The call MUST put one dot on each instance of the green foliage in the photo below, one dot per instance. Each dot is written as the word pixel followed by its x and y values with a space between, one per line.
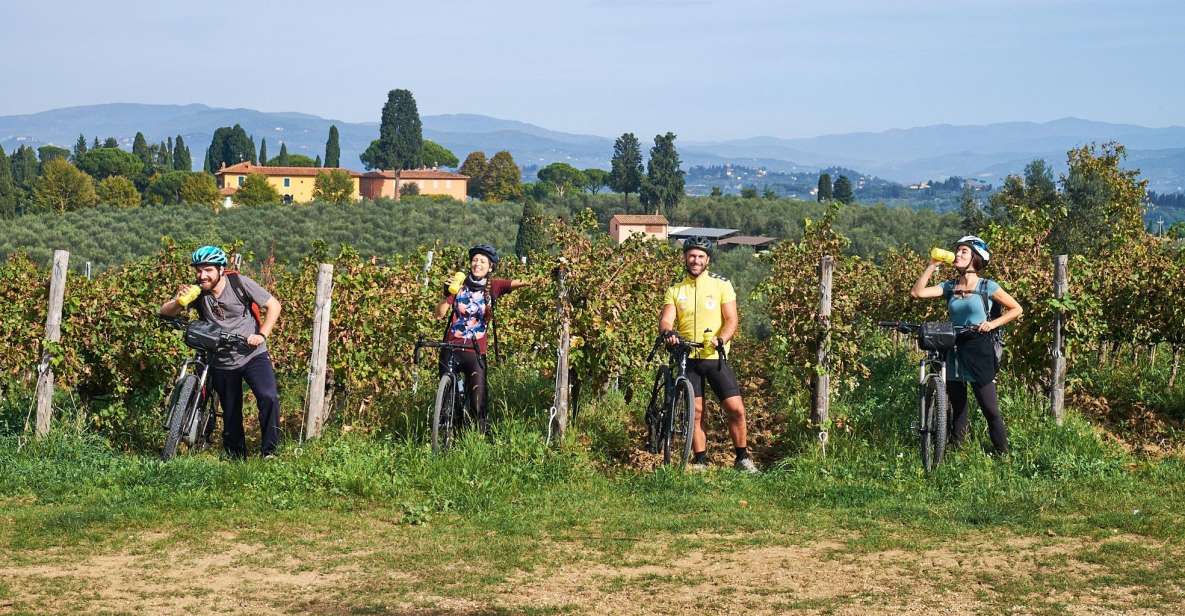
pixel 256 191
pixel 106 162
pixel 118 191
pixel 475 167
pixel 769 193
pixel 595 180
pixel 749 192
pixel 47 153
pixel 333 150
pixel 111 142
pixel 9 196
pixel 842 191
pixel 401 142
pixel 532 237
pixel 79 149
pixel 625 175
pixel 282 159
pixel 502 178
pixel 823 192
pixel 198 189
pixel 291 160
pixel 230 145
pixel 334 186
pixel 140 149
pixel 663 187
pixel 165 189
pixel 24 168
pixel 263 158
pixel 409 189
pixel 562 177
pixel 436 155
pixel 716 192
pixel 182 161
pixel 63 187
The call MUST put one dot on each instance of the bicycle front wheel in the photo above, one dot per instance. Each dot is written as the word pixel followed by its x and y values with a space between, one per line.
pixel 181 406
pixel 681 424
pixel 655 428
pixel 443 414
pixel 933 423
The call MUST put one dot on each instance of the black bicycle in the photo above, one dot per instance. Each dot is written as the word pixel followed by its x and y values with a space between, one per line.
pixel 670 412
pixel 192 408
pixel 933 425
pixel 452 397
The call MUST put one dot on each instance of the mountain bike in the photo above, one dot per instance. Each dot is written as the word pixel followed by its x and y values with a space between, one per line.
pixel 933 424
pixel 192 409
pixel 670 412
pixel 452 397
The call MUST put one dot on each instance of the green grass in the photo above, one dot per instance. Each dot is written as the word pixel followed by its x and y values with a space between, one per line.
pixel 410 529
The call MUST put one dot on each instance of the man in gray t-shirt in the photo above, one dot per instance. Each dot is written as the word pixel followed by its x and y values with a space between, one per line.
pixel 233 302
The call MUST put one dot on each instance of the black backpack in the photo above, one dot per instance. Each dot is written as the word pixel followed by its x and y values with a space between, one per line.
pixel 993 310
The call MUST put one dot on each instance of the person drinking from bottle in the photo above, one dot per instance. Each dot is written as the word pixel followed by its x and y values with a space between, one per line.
pixel 972 301
pixel 232 301
pixel 469 301
pixel 703 308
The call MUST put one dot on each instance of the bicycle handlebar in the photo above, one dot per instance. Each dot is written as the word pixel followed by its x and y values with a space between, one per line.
pixel 226 340
pixel 430 344
pixel 661 340
pixel 907 327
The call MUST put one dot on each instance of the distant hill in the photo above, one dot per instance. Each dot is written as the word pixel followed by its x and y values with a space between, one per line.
pixel 986 152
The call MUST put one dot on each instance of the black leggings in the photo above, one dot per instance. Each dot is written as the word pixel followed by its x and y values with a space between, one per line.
pixel 985 395
pixel 473 366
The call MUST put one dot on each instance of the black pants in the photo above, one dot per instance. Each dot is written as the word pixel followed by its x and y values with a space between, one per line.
pixel 985 395
pixel 473 366
pixel 261 378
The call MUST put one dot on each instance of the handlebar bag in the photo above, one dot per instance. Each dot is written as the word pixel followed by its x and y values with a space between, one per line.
pixel 938 336
pixel 203 336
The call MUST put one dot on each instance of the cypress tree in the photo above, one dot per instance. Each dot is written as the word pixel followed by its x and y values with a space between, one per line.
pixel 96 145
pixel 79 148
pixel 824 189
pixel 664 179
pixel 625 175
pixel 317 163
pixel 251 148
pixel 531 236
pixel 24 168
pixel 8 194
pixel 282 159
pixel 263 151
pixel 140 149
pixel 401 138
pixel 333 149
pixel 181 159
pixel 475 167
pixel 111 143
pixel 843 190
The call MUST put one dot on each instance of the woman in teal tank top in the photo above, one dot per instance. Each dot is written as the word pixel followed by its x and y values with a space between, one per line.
pixel 969 300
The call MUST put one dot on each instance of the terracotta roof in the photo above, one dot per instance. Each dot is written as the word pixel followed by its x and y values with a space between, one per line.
pixel 247 168
pixel 430 174
pixel 748 240
pixel 640 219
pixel 227 191
pixel 390 175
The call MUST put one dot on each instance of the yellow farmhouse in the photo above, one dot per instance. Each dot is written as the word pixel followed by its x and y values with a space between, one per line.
pixel 295 184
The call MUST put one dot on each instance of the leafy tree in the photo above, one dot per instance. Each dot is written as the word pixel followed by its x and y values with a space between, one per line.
pixel 256 191
pixel 334 186
pixel 401 141
pixel 118 191
pixel 749 192
pixel 181 158
pixel 769 193
pixel 971 217
pixel 230 145
pixel 24 168
pixel 163 155
pixel 503 179
pixel 625 175
pixel 106 162
pixel 562 177
pixel 293 160
pixel 8 190
pixel 317 163
pixel 111 143
pixel 47 153
pixel 96 145
pixel 63 187
pixel 333 149
pixel 595 179
pixel 198 188
pixel 165 188
pixel 282 159
pixel 842 191
pixel 716 192
pixel 475 167
pixel 436 155
pixel 1104 203
pixel 663 187
pixel 263 159
pixel 140 149
pixel 410 189
pixel 824 189
pixel 538 191
pixel 79 148
pixel 531 238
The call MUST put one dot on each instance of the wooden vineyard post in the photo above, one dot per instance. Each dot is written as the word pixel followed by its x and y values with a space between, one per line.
pixel 315 396
pixel 558 422
pixel 53 335
pixel 822 403
pixel 1057 393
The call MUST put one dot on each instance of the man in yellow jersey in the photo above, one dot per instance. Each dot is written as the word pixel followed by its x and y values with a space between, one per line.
pixel 703 308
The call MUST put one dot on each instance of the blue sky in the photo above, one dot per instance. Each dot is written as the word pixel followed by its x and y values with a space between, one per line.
pixel 701 68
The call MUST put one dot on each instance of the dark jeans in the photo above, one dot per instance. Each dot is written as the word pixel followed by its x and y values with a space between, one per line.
pixel 985 395
pixel 473 366
pixel 261 378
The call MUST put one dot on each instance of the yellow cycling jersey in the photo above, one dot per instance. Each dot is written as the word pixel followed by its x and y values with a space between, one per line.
pixel 698 303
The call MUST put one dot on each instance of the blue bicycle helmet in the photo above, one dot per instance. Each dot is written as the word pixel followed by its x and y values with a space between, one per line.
pixel 487 250
pixel 208 255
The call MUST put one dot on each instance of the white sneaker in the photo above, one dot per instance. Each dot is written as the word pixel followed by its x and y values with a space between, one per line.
pixel 746 465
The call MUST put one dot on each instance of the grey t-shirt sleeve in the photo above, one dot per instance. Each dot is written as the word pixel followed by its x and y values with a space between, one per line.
pixel 255 290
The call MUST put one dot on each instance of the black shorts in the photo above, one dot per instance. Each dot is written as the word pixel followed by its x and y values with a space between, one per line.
pixel 718 374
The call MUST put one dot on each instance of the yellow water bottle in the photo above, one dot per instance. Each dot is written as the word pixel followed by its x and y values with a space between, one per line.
pixel 945 256
pixel 189 295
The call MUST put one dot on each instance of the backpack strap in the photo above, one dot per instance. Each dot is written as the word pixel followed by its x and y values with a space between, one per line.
pixel 249 305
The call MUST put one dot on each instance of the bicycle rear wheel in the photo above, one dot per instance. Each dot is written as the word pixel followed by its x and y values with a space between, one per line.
pixel 654 411
pixel 933 423
pixel 443 414
pixel 680 424
pixel 181 406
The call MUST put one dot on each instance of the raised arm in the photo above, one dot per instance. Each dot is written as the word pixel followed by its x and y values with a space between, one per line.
pixel 920 289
